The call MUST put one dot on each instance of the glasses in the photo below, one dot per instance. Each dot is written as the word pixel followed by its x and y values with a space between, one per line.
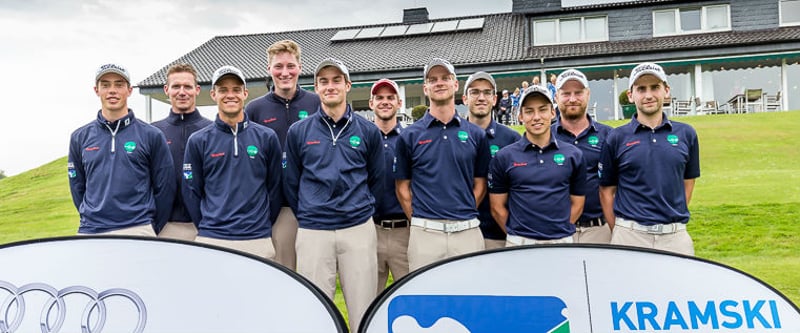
pixel 477 92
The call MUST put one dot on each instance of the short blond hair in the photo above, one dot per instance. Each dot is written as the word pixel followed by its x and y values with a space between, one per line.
pixel 182 68
pixel 286 45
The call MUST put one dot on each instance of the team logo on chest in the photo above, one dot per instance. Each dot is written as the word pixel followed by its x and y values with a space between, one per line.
pixel 672 139
pixel 463 136
pixel 493 149
pixel 130 146
pixel 559 159
pixel 355 141
pixel 303 114
pixel 593 140
pixel 252 151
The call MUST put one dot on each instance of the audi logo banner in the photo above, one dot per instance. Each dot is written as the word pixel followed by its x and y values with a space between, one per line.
pixel 579 288
pixel 130 284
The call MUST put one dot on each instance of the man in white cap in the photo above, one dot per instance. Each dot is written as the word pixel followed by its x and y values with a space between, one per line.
pixel 120 170
pixel 537 184
pixel 391 222
pixel 648 170
pixel 332 179
pixel 576 127
pixel 232 172
pixel 479 97
pixel 441 149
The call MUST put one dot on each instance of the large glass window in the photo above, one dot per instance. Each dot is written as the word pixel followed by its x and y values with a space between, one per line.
pixel 790 12
pixel 691 20
pixel 571 30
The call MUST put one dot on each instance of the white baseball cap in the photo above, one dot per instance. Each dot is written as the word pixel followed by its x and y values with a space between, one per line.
pixel 335 63
pixel 479 76
pixel 571 74
pixel 647 68
pixel 227 70
pixel 533 90
pixel 112 68
pixel 438 62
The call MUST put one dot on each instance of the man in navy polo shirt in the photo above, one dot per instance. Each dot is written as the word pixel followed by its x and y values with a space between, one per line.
pixel 537 184
pixel 231 173
pixel 334 163
pixel 119 167
pixel 479 96
pixel 441 168
pixel 578 128
pixel 281 107
pixel 648 170
pixel 391 223
pixel 183 120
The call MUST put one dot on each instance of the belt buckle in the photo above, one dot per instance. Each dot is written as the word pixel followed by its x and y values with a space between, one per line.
pixel 450 227
pixel 655 229
pixel 387 224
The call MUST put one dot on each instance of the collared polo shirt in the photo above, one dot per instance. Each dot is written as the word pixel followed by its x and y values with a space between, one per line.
pixel 590 142
pixel 388 205
pixel 332 174
pixel 499 136
pixel 279 113
pixel 539 182
pixel 442 161
pixel 648 167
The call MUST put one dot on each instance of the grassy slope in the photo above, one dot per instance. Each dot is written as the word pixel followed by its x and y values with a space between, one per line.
pixel 745 205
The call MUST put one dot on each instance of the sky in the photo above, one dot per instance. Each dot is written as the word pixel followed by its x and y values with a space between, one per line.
pixel 51 50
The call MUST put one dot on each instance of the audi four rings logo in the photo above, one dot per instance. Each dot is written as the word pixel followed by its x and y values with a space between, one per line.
pixel 54 311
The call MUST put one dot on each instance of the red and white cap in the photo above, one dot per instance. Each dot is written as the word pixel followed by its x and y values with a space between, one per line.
pixel 384 83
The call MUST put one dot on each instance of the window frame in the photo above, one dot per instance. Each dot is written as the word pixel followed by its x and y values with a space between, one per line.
pixel 676 13
pixel 557 26
pixel 780 14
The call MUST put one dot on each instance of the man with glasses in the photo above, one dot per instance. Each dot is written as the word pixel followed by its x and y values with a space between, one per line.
pixel 441 168
pixel 479 96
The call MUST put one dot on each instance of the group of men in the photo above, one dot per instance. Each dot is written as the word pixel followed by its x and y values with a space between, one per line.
pixel 299 178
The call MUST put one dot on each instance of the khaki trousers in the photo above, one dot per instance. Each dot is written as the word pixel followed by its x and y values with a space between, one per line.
pixel 594 235
pixel 491 244
pixel 261 247
pixel 426 246
pixel 179 230
pixel 678 242
pixel 350 251
pixel 284 235
pixel 392 254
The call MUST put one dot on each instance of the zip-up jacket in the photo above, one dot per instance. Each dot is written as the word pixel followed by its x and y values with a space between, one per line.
pixel 120 174
pixel 176 128
pixel 333 170
pixel 232 180
pixel 279 113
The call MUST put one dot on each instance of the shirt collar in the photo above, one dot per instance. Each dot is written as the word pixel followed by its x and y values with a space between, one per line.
pixel 428 120
pixel 226 128
pixel 125 121
pixel 636 125
pixel 553 144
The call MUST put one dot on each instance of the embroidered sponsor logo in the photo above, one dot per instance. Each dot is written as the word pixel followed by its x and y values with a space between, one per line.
pixel 130 146
pixel 672 139
pixel 187 171
pixel 593 140
pixel 314 142
pixel 303 114
pixel 519 164
pixel 424 142
pixel 463 136
pixel 493 149
pixel 355 141
pixel 267 121
pixel 559 159
pixel 92 148
pixel 632 143
pixel 217 154
pixel 252 151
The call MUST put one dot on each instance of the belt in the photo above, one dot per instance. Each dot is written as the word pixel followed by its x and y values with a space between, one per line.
pixel 591 223
pixel 656 229
pixel 447 227
pixel 519 240
pixel 391 224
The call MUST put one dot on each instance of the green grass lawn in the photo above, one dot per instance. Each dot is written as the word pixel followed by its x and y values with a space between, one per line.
pixel 745 208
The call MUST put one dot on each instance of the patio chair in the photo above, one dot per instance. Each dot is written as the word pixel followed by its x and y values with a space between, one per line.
pixel 773 102
pixel 682 107
pixel 709 107
pixel 753 97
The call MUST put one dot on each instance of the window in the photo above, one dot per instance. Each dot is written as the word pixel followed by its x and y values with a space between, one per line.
pixel 790 12
pixel 691 20
pixel 570 30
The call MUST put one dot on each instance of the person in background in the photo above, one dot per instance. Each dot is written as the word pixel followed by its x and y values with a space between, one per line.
pixel 283 105
pixel 479 97
pixel 648 169
pixel 578 128
pixel 120 169
pixel 391 223
pixel 183 120
pixel 232 173
pixel 504 109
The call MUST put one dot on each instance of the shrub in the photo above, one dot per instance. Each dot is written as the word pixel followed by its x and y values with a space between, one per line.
pixel 418 111
pixel 623 98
